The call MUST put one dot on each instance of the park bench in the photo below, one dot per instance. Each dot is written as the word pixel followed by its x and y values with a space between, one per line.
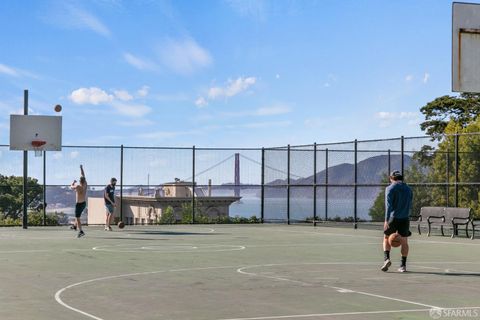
pixel 458 217
pixel 423 219
pixel 475 223
pixel 444 217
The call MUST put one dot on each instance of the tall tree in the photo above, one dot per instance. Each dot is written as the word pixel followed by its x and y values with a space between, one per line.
pixel 438 113
pixel 11 195
pixel 415 173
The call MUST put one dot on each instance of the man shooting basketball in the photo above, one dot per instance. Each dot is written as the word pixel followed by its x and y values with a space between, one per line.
pixel 109 197
pixel 80 195
pixel 398 204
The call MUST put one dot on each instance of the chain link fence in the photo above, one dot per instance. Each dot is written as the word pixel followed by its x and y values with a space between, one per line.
pixel 335 182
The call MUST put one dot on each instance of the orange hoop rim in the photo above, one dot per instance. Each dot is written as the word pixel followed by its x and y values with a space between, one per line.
pixel 38 143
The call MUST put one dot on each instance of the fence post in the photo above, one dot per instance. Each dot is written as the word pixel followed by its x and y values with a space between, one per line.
pixel 456 169
pixel 262 200
pixel 448 176
pixel 326 184
pixel 193 185
pixel 402 150
pixel 25 169
pixel 314 183
pixel 121 183
pixel 355 188
pixel 44 188
pixel 288 185
pixel 389 162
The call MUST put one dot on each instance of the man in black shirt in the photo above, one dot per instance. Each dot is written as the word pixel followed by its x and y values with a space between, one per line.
pixel 109 197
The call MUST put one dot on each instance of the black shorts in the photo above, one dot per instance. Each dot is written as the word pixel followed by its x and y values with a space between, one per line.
pixel 402 226
pixel 79 207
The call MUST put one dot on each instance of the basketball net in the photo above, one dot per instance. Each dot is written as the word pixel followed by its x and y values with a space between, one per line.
pixel 37 147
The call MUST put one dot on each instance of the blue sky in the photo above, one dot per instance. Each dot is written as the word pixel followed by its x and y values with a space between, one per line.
pixel 225 73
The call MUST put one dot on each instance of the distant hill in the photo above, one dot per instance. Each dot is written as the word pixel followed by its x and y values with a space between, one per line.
pixel 370 171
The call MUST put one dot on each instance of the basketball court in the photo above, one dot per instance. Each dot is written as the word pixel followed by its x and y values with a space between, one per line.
pixel 231 272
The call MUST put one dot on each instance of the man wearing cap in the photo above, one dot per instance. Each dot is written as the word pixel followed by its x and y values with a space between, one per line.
pixel 398 204
pixel 109 197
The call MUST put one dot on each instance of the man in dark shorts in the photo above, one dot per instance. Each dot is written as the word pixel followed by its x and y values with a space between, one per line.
pixel 398 204
pixel 81 203
pixel 109 197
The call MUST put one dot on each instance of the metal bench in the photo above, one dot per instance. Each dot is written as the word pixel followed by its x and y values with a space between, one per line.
pixel 457 217
pixel 427 216
pixel 474 223
pixel 443 217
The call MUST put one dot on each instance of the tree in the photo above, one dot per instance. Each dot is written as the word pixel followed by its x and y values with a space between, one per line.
pixel 168 216
pixel 438 113
pixel 443 161
pixel 377 211
pixel 422 196
pixel 11 195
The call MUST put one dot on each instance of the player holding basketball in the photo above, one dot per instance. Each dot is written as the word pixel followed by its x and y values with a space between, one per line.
pixel 80 195
pixel 109 197
pixel 398 204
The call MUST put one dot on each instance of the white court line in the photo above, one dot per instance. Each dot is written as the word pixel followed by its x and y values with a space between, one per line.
pixel 202 249
pixel 61 302
pixel 210 230
pixel 240 270
pixel 25 251
pixel 344 290
pixel 375 237
pixel 344 314
pixel 450 270
pixel 327 314
pixel 41 250
pixel 58 294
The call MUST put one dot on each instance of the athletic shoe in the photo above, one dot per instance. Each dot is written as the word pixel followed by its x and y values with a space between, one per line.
pixel 402 269
pixel 106 228
pixel 386 265
pixel 109 228
pixel 74 227
pixel 80 234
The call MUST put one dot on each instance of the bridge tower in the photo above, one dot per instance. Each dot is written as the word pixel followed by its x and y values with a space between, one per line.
pixel 237 175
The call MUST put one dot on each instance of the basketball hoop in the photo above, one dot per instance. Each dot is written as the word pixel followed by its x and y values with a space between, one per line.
pixel 37 147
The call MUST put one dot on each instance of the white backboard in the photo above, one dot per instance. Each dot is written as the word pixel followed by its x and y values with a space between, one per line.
pixel 466 47
pixel 24 129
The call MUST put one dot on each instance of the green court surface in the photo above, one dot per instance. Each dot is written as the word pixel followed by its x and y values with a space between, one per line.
pixel 232 272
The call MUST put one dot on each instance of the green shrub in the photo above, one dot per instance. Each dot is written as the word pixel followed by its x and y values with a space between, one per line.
pixel 254 219
pixel 36 219
pixel 168 216
pixel 203 219
pixel 186 213
pixel 11 222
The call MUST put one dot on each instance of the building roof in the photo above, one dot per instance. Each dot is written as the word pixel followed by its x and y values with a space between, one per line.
pixel 128 198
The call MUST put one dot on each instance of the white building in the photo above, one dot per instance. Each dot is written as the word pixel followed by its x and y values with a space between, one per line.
pixel 141 210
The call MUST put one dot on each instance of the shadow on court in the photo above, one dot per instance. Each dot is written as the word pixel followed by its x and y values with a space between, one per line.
pixel 453 274
pixel 174 233
pixel 130 239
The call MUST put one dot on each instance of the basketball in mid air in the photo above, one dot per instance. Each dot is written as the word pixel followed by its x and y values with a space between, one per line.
pixel 121 225
pixel 58 108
